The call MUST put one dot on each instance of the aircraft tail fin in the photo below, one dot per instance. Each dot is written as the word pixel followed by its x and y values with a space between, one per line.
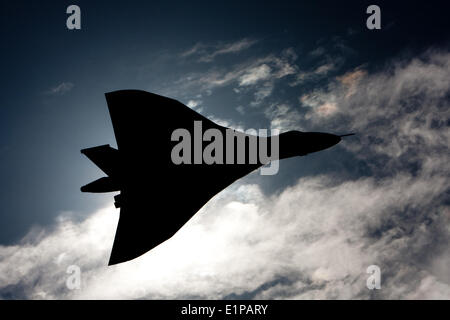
pixel 104 157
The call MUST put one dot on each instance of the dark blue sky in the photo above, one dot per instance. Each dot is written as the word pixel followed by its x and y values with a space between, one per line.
pixel 139 44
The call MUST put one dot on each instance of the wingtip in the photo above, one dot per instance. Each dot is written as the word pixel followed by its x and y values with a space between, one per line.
pixel 113 261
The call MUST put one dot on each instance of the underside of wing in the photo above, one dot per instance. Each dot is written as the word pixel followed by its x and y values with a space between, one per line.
pixel 140 229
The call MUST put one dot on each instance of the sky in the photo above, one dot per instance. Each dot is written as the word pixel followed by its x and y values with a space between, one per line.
pixel 309 232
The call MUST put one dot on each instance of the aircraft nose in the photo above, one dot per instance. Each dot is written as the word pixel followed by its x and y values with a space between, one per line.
pixel 330 140
pixel 334 139
pixel 323 140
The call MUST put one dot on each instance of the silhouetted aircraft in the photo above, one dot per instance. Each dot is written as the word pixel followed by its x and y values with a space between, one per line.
pixel 143 170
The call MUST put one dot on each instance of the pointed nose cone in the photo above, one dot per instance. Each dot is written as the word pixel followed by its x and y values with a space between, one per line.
pixel 320 141
pixel 333 140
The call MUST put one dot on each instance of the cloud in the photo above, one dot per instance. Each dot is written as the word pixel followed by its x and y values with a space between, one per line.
pixel 319 51
pixel 326 109
pixel 313 240
pixel 244 74
pixel 196 48
pixel 351 79
pixel 39 262
pixel 401 113
pixel 283 117
pixel 262 92
pixel 253 75
pixel 194 103
pixel 318 73
pixel 257 76
pixel 61 89
pixel 208 53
